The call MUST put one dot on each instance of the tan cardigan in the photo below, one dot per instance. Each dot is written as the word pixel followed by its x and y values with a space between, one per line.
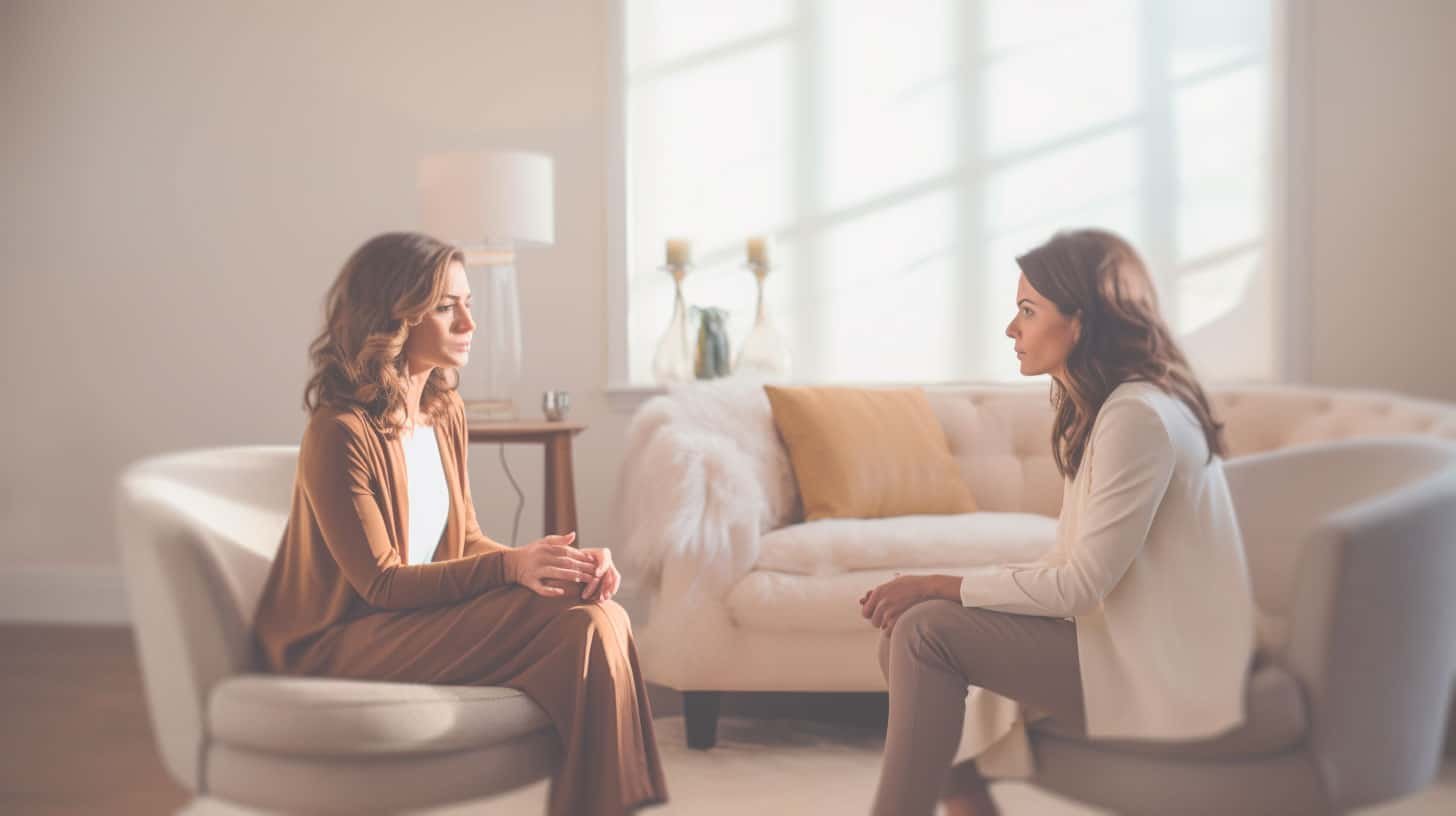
pixel 343 552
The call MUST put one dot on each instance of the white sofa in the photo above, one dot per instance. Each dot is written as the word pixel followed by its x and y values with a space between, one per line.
pixel 743 596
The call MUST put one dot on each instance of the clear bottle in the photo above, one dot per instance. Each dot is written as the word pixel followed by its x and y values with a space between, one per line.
pixel 764 352
pixel 673 362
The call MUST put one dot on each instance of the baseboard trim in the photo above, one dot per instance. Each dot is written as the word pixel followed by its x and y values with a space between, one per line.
pixel 69 595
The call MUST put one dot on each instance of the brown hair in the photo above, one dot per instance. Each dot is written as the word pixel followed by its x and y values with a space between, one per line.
pixel 384 288
pixel 1098 276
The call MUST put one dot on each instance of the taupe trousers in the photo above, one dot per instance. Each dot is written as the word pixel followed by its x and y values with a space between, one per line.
pixel 936 650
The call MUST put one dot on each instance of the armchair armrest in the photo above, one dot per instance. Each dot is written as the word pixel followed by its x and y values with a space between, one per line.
pixel 1282 496
pixel 1372 616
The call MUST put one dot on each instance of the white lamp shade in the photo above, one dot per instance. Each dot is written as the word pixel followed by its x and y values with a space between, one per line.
pixel 487 198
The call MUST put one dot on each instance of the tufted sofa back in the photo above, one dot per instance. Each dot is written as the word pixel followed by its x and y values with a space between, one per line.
pixel 1001 435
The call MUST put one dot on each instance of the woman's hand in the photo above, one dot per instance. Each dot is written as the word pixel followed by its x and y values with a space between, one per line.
pixel 606 581
pixel 884 604
pixel 547 565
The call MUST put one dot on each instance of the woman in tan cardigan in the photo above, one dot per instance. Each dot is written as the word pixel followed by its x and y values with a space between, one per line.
pixel 383 572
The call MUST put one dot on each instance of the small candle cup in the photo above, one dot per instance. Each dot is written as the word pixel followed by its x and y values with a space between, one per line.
pixel 679 252
pixel 758 251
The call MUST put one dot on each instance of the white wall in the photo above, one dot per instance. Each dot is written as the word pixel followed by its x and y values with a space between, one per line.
pixel 1383 194
pixel 181 183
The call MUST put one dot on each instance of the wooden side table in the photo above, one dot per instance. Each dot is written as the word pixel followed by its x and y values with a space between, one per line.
pixel 559 513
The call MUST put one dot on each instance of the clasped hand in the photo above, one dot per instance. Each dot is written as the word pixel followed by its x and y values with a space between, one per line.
pixel 884 604
pixel 548 566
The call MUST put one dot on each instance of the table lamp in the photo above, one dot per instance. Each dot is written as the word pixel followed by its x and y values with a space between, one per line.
pixel 488 203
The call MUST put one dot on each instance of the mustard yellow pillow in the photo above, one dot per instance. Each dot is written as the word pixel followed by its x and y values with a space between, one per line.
pixel 868 452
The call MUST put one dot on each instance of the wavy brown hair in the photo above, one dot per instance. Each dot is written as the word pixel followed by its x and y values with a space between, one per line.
pixel 388 285
pixel 1098 276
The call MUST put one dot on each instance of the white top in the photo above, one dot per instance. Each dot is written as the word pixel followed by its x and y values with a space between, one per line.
pixel 429 498
pixel 1150 564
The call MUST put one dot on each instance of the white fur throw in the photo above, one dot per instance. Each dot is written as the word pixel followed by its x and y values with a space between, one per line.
pixel 704 475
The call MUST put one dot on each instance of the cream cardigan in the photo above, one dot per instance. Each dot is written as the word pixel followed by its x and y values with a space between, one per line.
pixel 1150 564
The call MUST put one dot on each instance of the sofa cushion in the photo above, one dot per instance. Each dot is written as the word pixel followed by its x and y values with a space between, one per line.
pixel 831 546
pixel 327 717
pixel 867 452
pixel 780 601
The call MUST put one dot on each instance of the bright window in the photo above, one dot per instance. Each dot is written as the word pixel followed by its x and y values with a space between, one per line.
pixel 902 155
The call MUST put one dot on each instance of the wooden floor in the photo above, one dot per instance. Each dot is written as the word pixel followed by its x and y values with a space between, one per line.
pixel 75 738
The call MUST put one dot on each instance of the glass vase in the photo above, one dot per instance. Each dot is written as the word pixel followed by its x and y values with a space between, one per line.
pixel 673 362
pixel 764 352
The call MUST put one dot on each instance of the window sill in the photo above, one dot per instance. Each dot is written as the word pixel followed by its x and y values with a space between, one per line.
pixel 628 396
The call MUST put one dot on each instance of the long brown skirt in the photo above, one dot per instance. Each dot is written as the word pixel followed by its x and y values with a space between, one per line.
pixel 577 660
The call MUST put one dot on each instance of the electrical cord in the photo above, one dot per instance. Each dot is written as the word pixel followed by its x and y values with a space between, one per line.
pixel 520 496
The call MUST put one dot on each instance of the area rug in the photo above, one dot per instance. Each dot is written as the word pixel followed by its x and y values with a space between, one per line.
pixel 768 767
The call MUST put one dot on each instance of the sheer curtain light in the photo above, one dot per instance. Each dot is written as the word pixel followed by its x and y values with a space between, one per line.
pixel 489 203
pixel 901 161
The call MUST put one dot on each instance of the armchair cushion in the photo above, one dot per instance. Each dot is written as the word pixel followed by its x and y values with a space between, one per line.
pixel 316 716
pixel 832 546
pixel 1276 720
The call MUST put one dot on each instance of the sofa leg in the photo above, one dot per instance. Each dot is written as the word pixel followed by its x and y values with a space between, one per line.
pixel 700 709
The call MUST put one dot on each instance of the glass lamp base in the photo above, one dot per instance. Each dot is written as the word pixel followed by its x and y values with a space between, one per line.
pixel 490 410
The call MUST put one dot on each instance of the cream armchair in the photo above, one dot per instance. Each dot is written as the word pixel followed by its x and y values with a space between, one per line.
pixel 198 531
pixel 1353 544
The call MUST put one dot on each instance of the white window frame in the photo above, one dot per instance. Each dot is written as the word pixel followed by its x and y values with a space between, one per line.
pixel 1289 228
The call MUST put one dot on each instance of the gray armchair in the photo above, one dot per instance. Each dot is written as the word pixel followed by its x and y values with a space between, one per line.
pixel 1352 549
pixel 198 531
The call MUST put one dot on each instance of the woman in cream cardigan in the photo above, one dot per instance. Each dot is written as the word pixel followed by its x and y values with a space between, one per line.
pixel 1139 622
pixel 383 572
